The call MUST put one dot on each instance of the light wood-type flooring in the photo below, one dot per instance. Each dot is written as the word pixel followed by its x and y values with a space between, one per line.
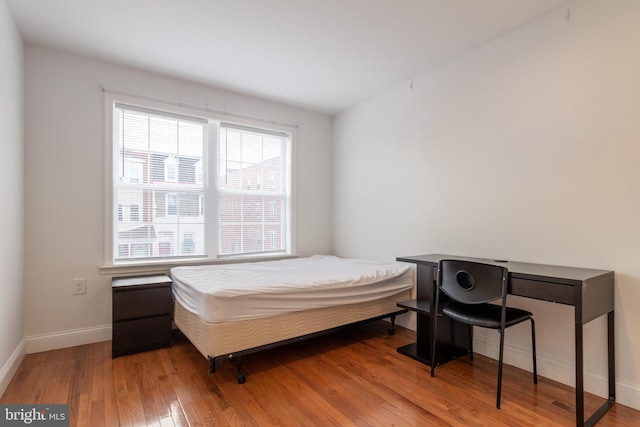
pixel 349 378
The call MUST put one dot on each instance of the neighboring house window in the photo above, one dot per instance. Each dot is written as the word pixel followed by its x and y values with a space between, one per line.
pixel 172 204
pixel 162 187
pixel 134 213
pixel 135 173
pixel 171 169
pixel 188 243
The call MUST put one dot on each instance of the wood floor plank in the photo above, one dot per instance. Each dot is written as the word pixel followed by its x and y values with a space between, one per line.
pixel 168 384
pixel 350 378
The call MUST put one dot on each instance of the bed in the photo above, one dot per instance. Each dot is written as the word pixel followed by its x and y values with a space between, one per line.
pixel 231 310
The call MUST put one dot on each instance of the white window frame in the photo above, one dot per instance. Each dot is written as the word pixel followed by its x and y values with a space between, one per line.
pixel 210 164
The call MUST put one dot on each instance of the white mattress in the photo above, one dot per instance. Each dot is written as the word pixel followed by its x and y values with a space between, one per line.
pixel 232 292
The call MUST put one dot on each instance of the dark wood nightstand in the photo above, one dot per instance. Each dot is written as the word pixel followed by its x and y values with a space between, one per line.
pixel 142 311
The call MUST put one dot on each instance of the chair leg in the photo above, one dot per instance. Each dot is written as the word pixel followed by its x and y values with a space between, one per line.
pixel 533 346
pixel 500 369
pixel 471 342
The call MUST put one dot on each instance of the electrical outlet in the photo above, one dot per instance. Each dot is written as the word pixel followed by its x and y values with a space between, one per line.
pixel 79 286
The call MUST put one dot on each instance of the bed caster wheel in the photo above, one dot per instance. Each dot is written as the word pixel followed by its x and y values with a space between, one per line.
pixel 392 331
pixel 241 378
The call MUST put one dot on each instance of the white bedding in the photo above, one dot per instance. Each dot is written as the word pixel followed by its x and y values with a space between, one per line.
pixel 230 292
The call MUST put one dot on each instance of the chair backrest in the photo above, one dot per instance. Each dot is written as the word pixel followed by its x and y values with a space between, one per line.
pixel 472 282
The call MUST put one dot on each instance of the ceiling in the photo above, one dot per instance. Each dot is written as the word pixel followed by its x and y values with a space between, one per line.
pixel 322 55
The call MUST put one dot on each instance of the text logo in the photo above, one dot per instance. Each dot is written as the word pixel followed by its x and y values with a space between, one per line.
pixel 34 415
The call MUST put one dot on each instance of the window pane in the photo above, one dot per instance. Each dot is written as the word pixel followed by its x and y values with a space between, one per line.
pixel 156 189
pixel 251 192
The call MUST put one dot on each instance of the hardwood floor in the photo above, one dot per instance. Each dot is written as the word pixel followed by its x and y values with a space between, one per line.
pixel 350 378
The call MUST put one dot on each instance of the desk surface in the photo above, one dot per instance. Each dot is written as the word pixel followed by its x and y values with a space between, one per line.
pixel 590 291
pixel 522 270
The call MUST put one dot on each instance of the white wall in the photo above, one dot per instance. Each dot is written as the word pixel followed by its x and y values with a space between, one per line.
pixel 65 140
pixel 526 149
pixel 11 194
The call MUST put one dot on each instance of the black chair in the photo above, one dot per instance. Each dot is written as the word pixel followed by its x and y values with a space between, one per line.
pixel 470 286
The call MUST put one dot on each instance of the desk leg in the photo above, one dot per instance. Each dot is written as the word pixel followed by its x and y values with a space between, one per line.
pixel 580 422
pixel 611 355
pixel 579 376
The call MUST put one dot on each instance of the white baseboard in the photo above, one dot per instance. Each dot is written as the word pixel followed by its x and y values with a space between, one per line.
pixel 64 339
pixel 10 368
pixel 627 394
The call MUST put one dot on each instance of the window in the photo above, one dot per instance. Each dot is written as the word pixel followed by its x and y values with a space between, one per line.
pixel 188 243
pixel 246 158
pixel 172 204
pixel 186 184
pixel 134 213
pixel 156 153
pixel 171 169
pixel 133 171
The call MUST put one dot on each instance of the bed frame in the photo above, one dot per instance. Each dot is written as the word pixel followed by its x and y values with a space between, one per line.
pixel 233 340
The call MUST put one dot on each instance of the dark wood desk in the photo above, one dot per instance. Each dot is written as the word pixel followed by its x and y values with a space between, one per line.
pixel 589 291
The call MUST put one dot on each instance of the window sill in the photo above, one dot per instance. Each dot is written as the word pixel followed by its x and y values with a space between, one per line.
pixel 163 267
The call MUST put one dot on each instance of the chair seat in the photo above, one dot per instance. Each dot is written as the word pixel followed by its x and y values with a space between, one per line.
pixel 485 315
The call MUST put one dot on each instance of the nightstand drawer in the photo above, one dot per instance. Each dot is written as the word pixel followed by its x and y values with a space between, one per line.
pixel 142 312
pixel 134 336
pixel 143 302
